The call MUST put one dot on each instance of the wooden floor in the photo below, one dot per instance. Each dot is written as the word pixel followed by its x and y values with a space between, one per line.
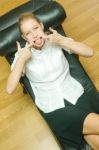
pixel 21 125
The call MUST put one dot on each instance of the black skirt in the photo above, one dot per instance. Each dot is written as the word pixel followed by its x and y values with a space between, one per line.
pixel 67 122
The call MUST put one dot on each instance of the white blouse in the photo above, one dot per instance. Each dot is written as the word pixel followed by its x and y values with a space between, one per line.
pixel 49 76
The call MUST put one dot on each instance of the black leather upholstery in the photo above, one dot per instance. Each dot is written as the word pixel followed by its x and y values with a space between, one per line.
pixel 51 14
pixel 11 18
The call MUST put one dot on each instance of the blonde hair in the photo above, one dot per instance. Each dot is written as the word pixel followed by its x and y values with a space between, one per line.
pixel 24 17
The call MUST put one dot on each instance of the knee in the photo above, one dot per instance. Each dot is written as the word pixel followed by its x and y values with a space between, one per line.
pixel 91 124
pixel 93 141
pixel 96 146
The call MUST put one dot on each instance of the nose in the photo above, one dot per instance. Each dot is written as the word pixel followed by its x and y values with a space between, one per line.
pixel 33 33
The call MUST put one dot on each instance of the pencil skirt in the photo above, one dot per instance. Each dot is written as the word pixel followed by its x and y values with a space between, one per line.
pixel 67 122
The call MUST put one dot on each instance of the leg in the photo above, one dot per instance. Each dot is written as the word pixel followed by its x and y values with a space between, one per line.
pixel 91 130
pixel 93 141
pixel 91 124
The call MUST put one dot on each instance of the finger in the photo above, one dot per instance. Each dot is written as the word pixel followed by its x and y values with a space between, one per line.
pixel 29 45
pixel 52 30
pixel 46 36
pixel 18 46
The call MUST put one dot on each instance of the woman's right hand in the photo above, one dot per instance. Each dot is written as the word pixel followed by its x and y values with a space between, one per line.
pixel 24 53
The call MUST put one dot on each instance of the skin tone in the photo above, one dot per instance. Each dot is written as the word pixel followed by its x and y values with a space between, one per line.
pixel 32 32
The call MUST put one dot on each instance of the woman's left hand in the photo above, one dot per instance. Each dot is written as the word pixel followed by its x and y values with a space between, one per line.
pixel 54 37
pixel 69 43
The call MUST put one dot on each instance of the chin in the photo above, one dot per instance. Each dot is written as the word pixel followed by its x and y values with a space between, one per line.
pixel 39 46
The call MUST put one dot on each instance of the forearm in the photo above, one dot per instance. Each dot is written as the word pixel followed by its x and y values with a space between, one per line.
pixel 15 75
pixel 77 47
pixel 68 43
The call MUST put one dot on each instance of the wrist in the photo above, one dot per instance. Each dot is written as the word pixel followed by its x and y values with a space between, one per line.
pixel 65 42
pixel 21 60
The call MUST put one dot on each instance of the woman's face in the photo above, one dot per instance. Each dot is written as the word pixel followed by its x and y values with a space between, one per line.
pixel 32 32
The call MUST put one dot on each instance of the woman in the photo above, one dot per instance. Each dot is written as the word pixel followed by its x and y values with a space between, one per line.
pixel 72 114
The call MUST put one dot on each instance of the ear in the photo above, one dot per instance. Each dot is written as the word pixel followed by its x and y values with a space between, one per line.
pixel 42 26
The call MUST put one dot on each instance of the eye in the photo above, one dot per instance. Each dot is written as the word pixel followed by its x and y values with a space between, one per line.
pixel 27 33
pixel 35 28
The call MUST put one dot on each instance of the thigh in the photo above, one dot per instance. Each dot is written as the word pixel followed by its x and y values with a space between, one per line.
pixel 70 117
pixel 89 101
pixel 67 123
pixel 91 124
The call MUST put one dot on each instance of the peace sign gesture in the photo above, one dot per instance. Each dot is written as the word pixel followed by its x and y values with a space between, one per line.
pixel 24 53
pixel 54 37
